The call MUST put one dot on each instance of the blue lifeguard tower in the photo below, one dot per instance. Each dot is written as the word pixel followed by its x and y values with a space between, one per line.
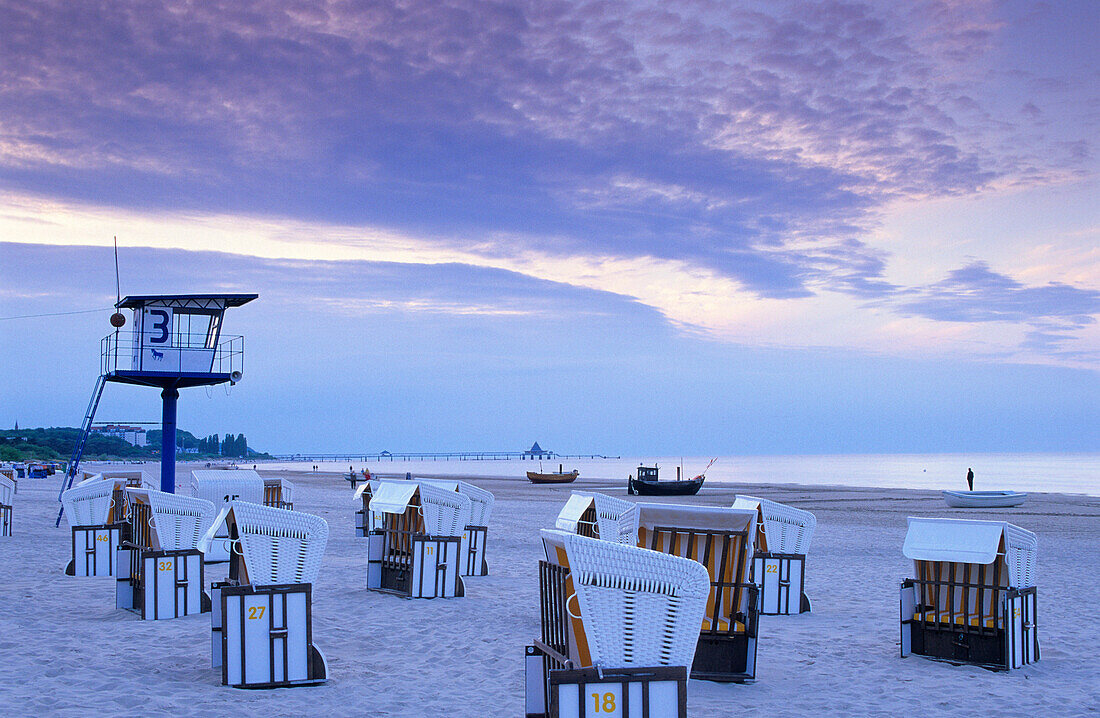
pixel 176 342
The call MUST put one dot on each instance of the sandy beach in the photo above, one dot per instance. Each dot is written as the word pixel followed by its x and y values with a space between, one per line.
pixel 68 651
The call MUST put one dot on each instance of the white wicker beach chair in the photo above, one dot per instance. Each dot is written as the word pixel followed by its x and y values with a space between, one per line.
pixel 7 493
pixel 417 550
pixel 278 493
pixel 974 597
pixel 634 607
pixel 222 487
pixel 7 490
pixel 598 516
pixel 265 609
pixel 275 546
pixel 785 529
pixel 160 568
pixel 475 533
pixel 779 566
pixel 92 502
pixel 177 522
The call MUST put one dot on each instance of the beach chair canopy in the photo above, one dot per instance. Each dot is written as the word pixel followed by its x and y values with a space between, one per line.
pixel 223 486
pixel 613 522
pixel 90 503
pixel 785 528
pixel 629 606
pixel 368 488
pixel 481 501
pixel 445 513
pixel 7 490
pixel 175 522
pixel 973 541
pixel 276 546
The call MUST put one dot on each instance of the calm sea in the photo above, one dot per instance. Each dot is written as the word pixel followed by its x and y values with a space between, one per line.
pixel 1063 473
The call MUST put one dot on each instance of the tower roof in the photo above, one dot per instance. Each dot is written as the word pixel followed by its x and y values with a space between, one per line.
pixel 191 301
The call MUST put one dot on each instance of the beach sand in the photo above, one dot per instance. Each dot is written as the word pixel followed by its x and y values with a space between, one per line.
pixel 67 651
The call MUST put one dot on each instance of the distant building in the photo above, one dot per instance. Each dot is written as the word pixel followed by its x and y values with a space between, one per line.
pixel 537 452
pixel 133 435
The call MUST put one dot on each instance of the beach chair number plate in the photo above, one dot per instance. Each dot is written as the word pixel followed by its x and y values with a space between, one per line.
pixel 624 693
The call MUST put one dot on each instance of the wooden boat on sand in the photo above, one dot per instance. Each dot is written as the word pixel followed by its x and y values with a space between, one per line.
pixel 560 477
pixel 984 499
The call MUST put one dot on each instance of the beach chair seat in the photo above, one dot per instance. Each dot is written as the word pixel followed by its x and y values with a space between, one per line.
pixel 723 541
pixel 779 562
pixel 973 598
pixel 262 618
pixel 222 487
pixel 160 567
pixel 7 499
pixel 416 552
pixel 475 533
pixel 96 511
pixel 611 607
pixel 598 516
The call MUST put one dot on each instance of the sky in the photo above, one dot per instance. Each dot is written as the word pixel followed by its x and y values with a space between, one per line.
pixel 616 227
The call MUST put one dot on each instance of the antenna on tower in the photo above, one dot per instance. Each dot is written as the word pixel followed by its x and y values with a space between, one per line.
pixel 118 319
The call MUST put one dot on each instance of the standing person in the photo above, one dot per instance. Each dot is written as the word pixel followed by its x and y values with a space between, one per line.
pixel 970 478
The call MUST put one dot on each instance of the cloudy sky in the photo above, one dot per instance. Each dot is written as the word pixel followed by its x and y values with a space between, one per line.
pixel 662 227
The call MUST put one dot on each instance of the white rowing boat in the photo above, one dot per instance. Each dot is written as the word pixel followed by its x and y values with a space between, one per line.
pixel 983 499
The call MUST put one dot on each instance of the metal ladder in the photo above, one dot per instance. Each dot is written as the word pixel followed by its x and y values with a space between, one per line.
pixel 78 450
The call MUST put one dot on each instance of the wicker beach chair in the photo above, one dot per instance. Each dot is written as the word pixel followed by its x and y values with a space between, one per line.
pixel 7 494
pixel 96 511
pixel 416 552
pixel 475 533
pixel 223 487
pixel 974 598
pixel 723 540
pixel 278 493
pixel 598 516
pixel 779 564
pixel 617 613
pixel 365 519
pixel 160 568
pixel 262 621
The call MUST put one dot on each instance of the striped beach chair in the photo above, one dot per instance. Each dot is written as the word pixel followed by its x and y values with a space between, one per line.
pixel 723 540
pixel 779 564
pixel 160 567
pixel 973 597
pixel 261 618
pixel 598 516
pixel 619 620
pixel 365 519
pixel 416 552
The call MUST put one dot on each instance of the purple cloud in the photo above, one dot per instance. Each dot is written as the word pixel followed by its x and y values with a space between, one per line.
pixel 704 131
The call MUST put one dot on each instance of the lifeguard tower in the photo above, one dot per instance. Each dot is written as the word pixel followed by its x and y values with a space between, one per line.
pixel 176 342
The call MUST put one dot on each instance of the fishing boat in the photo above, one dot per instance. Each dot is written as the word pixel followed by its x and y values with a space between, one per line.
pixel 984 499
pixel 649 483
pixel 560 477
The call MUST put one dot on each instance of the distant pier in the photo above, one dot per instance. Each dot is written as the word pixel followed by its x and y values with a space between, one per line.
pixel 439 456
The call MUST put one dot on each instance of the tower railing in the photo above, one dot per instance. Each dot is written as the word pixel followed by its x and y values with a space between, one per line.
pixel 188 354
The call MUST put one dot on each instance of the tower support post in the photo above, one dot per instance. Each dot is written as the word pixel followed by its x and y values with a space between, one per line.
pixel 168 439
